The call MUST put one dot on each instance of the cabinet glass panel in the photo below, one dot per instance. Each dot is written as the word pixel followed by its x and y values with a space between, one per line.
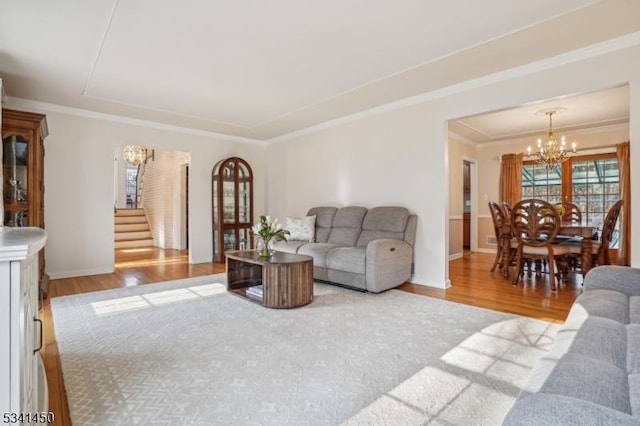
pixel 229 204
pixel 244 241
pixel 229 240
pixel 14 169
pixel 228 193
pixel 14 178
pixel 18 218
pixel 244 207
pixel 215 205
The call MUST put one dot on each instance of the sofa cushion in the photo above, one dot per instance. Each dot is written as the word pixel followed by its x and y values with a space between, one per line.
pixel 324 221
pixel 634 393
pixel 347 225
pixel 613 277
pixel 383 222
pixel 555 410
pixel 348 259
pixel 603 303
pixel 318 251
pixel 633 349
pixel 634 310
pixel 289 246
pixel 587 379
pixel 301 228
pixel 598 338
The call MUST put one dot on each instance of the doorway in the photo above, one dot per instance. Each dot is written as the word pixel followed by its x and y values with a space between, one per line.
pixel 151 208
pixel 469 201
pixel 466 207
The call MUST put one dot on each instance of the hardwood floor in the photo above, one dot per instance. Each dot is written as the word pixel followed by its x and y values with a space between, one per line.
pixel 471 283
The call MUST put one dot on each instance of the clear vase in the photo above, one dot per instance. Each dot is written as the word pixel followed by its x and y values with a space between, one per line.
pixel 265 248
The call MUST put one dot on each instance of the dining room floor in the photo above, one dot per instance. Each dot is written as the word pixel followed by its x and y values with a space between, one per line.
pixel 472 283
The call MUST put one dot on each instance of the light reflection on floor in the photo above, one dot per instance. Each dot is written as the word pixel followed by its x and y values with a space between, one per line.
pixel 149 256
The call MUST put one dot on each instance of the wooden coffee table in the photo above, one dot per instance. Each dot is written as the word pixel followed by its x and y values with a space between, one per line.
pixel 286 278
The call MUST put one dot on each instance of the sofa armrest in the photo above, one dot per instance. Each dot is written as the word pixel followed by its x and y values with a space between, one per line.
pixel 549 409
pixel 388 264
pixel 618 278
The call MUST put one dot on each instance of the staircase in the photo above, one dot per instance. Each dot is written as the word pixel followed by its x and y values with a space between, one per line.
pixel 131 229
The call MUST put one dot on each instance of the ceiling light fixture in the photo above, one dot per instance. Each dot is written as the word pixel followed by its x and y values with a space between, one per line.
pixel 135 154
pixel 550 152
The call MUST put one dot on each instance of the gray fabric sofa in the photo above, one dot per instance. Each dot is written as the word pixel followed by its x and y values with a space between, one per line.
pixel 367 249
pixel 591 375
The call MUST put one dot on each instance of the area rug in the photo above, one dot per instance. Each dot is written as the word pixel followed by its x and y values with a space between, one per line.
pixel 187 353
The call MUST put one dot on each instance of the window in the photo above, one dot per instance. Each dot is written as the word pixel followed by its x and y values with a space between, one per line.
pixel 538 182
pixel 130 187
pixel 592 182
pixel 595 188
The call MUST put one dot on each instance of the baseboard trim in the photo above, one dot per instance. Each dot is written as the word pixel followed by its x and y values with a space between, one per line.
pixel 485 250
pixel 455 256
pixel 446 284
pixel 200 260
pixel 56 275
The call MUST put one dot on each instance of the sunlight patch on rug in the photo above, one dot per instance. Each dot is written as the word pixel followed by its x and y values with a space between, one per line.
pixel 503 352
pixel 133 303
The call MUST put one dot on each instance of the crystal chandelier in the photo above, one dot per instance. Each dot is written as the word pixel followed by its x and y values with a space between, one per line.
pixel 550 152
pixel 134 154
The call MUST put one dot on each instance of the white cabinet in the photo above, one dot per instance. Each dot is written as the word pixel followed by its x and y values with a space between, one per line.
pixel 21 382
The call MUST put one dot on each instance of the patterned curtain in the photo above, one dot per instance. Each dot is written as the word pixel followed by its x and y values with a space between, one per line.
pixel 511 178
pixel 622 150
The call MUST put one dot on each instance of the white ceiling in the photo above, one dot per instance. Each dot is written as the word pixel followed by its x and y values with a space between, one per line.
pixel 598 109
pixel 261 69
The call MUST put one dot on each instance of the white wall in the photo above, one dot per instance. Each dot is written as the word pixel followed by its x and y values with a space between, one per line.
pixel 159 182
pixel 79 187
pixel 400 156
pixel 390 159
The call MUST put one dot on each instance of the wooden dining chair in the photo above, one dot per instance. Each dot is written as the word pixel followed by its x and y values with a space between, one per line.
pixel 534 224
pixel 571 212
pixel 506 207
pixel 502 231
pixel 600 250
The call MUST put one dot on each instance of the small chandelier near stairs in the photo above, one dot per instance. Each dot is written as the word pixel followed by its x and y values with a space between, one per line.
pixel 134 154
pixel 550 152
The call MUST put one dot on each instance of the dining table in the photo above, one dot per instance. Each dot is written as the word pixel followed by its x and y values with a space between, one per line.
pixel 570 230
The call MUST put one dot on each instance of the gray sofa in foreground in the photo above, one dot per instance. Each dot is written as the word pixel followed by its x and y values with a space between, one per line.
pixel 367 249
pixel 591 375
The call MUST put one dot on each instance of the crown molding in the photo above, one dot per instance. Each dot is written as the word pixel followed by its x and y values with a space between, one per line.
pixel 619 43
pixel 463 139
pixel 44 106
pixel 524 139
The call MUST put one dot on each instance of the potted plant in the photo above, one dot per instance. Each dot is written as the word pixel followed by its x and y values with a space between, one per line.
pixel 268 232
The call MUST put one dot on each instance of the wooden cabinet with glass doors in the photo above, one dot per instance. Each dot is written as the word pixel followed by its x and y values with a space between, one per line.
pixel 23 136
pixel 232 197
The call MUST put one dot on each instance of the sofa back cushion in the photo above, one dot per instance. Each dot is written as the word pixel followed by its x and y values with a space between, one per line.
pixel 324 221
pixel 383 222
pixel 347 225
